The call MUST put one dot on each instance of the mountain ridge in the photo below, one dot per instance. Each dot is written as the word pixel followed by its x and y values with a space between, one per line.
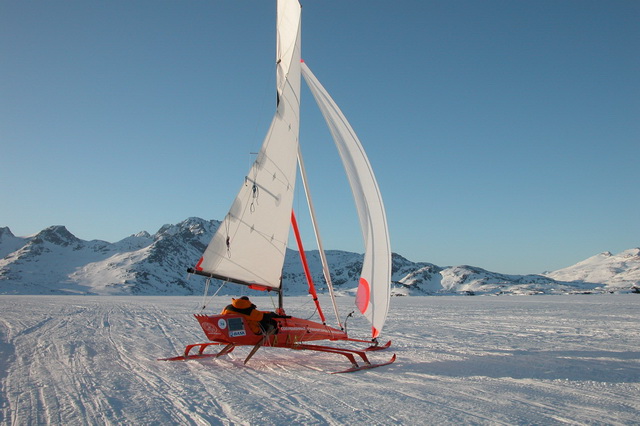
pixel 54 261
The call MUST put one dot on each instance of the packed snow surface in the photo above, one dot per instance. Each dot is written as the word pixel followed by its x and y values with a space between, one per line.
pixel 461 360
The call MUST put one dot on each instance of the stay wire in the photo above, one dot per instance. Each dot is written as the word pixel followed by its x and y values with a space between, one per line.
pixel 205 300
pixel 204 296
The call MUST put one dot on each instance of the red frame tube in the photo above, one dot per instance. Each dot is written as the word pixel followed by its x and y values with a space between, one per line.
pixel 305 266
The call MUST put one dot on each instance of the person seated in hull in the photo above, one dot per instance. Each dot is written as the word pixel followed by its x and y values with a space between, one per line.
pixel 260 322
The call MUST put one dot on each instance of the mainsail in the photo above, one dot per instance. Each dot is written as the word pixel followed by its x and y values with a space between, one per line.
pixel 375 280
pixel 250 245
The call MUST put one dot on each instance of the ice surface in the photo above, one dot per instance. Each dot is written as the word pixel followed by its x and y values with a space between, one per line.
pixel 461 360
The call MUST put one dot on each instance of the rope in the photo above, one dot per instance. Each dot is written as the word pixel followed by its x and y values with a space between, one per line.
pixel 273 303
pixel 206 301
pixel 346 319
pixel 315 311
pixel 204 296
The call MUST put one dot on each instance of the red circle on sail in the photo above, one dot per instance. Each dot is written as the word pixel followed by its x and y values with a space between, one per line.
pixel 363 295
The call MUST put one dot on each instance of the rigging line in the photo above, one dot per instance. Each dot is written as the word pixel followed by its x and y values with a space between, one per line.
pixel 204 296
pixel 303 306
pixel 215 294
pixel 273 304
pixel 315 311
pixel 347 319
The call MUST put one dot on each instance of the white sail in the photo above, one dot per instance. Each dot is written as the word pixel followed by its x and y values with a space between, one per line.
pixel 374 289
pixel 250 245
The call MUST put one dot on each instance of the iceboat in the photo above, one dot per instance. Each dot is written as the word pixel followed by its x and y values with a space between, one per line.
pixel 249 247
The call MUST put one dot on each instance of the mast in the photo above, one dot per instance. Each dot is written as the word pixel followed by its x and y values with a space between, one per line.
pixel 323 256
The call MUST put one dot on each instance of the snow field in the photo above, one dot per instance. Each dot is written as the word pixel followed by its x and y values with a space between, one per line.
pixel 461 360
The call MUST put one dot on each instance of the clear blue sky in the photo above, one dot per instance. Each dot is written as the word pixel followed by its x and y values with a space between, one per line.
pixel 504 134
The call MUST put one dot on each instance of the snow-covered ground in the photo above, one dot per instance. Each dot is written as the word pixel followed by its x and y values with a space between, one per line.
pixel 461 360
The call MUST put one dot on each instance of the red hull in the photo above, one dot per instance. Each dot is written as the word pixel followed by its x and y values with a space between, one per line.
pixel 291 331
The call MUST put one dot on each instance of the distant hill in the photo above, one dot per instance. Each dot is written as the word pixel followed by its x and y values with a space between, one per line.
pixel 54 261
pixel 617 271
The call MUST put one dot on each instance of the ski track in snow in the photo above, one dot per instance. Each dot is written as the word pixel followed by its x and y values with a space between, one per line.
pixel 461 360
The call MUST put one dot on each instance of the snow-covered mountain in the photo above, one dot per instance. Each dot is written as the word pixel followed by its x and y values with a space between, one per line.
pixel 54 261
pixel 621 270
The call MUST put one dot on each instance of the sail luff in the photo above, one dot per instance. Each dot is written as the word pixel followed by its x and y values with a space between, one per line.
pixel 374 288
